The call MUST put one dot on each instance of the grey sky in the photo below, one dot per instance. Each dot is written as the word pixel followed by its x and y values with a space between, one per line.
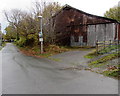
pixel 96 7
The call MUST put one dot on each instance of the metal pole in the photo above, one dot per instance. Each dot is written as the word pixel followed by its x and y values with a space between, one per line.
pixel 42 37
pixel 41 25
pixel 41 47
pixel 41 41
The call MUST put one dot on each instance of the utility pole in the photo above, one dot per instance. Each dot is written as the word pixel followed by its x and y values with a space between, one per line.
pixel 41 35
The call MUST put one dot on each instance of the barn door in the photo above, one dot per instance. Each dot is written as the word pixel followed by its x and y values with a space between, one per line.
pixel 76 36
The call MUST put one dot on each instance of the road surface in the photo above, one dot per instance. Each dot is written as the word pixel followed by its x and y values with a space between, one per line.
pixel 29 75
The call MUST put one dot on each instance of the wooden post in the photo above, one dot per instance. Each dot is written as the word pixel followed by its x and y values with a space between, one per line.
pixel 110 43
pixel 104 44
pixel 117 43
pixel 118 46
pixel 97 47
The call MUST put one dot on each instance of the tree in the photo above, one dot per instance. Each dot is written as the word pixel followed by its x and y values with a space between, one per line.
pixel 10 33
pixel 50 10
pixel 26 24
pixel 14 17
pixel 113 13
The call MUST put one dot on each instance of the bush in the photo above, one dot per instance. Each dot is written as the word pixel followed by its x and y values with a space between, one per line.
pixel 21 42
pixel 15 40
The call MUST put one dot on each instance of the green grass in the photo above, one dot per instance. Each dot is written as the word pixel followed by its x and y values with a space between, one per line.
pixel 112 73
pixel 102 51
pixel 108 49
pixel 0 48
pixel 3 44
pixel 91 55
pixel 104 59
pixel 98 65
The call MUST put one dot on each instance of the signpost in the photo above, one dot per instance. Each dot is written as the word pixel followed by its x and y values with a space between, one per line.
pixel 41 35
pixel 41 42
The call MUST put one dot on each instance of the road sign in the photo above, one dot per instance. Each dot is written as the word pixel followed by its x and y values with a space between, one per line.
pixel 40 39
pixel 40 35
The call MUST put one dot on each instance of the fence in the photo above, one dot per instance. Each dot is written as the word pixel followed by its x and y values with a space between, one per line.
pixel 103 44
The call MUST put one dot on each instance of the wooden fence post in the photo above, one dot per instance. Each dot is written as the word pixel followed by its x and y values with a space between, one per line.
pixel 117 46
pixel 104 44
pixel 110 43
pixel 97 47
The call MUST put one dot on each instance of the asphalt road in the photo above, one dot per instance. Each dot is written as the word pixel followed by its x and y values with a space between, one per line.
pixel 28 75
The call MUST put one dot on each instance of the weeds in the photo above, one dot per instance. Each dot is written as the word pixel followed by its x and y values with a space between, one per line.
pixel 109 49
pixel 113 73
pixel 91 55
pixel 104 59
pixel 3 44
pixel 48 50
pixel 102 63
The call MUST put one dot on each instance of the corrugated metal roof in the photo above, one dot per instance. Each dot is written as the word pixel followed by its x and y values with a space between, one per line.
pixel 70 7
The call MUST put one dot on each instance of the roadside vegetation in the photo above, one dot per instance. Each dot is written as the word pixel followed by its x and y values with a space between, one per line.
pixel 105 61
pixel 48 50
pixel 3 44
pixel 24 28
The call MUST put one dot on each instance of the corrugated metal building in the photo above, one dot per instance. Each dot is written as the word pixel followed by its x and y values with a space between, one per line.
pixel 77 28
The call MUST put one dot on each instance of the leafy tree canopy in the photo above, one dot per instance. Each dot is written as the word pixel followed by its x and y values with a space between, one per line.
pixel 113 13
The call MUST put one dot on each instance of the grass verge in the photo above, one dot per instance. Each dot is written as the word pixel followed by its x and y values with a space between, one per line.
pixel 48 50
pixel 112 73
pixel 105 58
pixel 108 49
pixel 91 55
pixel 102 59
pixel 3 44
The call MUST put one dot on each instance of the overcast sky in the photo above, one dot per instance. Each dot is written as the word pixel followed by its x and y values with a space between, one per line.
pixel 96 7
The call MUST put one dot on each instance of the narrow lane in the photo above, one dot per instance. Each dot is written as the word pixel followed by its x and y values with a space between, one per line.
pixel 28 75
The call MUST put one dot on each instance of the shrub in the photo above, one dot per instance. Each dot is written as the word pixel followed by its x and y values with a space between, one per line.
pixel 21 42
